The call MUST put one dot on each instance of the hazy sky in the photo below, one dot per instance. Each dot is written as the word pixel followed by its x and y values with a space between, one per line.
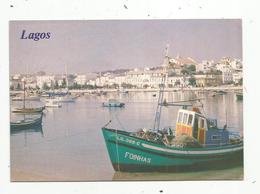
pixel 88 46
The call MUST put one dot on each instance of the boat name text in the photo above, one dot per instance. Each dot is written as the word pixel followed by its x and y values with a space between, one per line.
pixel 137 157
pixel 35 35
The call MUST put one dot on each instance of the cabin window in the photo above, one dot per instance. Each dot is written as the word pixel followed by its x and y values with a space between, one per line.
pixel 185 118
pixel 190 119
pixel 216 137
pixel 180 117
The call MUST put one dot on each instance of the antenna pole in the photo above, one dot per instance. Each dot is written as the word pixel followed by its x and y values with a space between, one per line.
pixel 66 72
pixel 24 94
pixel 161 92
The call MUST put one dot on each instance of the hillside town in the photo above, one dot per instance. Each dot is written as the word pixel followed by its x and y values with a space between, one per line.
pixel 182 72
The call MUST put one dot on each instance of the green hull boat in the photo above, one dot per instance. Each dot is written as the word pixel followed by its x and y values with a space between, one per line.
pixel 132 154
pixel 196 143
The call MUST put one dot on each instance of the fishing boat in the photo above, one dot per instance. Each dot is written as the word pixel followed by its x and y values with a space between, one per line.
pixel 113 103
pixel 52 102
pixel 66 98
pixel 26 123
pixel 195 143
pixel 218 93
pixel 28 110
pixel 24 109
pixel 32 97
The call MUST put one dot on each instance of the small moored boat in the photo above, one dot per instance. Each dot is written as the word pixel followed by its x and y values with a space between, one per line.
pixel 26 123
pixel 28 110
pixel 113 103
pixel 52 102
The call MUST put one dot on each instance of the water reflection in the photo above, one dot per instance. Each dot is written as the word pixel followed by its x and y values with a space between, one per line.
pixel 233 173
pixel 37 129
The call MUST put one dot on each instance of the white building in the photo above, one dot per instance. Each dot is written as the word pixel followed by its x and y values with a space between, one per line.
pixel 205 66
pixel 143 78
pixel 236 64
pixel 120 79
pixel 237 76
pixel 103 80
pixel 91 82
pixel 49 80
pixel 227 76
pixel 80 79
pixel 140 79
pixel 176 81
pixel 16 77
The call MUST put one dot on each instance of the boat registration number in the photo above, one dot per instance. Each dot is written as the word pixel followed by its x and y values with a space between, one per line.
pixel 126 140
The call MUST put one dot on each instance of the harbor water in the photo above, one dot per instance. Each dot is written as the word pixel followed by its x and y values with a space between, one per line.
pixel 70 144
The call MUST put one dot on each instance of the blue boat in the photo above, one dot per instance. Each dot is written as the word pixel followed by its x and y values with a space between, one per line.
pixel 113 103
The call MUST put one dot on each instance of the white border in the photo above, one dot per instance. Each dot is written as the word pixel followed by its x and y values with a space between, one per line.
pixel 137 9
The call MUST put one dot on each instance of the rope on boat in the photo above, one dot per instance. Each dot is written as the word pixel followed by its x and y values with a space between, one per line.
pixel 115 116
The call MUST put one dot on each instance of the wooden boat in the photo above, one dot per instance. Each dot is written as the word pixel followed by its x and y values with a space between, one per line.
pixel 24 109
pixel 196 143
pixel 26 123
pixel 66 98
pixel 28 110
pixel 218 93
pixel 132 154
pixel 207 145
pixel 113 103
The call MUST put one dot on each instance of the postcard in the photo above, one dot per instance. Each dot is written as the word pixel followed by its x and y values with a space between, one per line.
pixel 126 100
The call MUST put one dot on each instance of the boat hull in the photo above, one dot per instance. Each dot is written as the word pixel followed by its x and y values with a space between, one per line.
pixel 113 105
pixel 66 99
pixel 26 125
pixel 132 154
pixel 28 110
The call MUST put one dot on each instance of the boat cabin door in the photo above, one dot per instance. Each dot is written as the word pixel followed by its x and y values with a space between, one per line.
pixel 201 130
pixel 196 127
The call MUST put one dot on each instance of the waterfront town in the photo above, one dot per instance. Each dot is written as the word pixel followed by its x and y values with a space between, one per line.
pixel 182 72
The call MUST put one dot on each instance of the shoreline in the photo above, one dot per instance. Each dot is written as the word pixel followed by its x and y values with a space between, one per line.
pixel 225 88
pixel 217 88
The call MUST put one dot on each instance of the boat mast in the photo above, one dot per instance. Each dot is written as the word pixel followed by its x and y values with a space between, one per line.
pixel 24 93
pixel 161 92
pixel 67 81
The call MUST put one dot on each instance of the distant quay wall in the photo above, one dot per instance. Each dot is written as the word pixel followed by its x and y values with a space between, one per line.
pixel 226 88
pixel 80 91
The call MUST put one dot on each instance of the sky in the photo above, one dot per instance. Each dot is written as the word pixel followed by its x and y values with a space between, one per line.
pixel 100 45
